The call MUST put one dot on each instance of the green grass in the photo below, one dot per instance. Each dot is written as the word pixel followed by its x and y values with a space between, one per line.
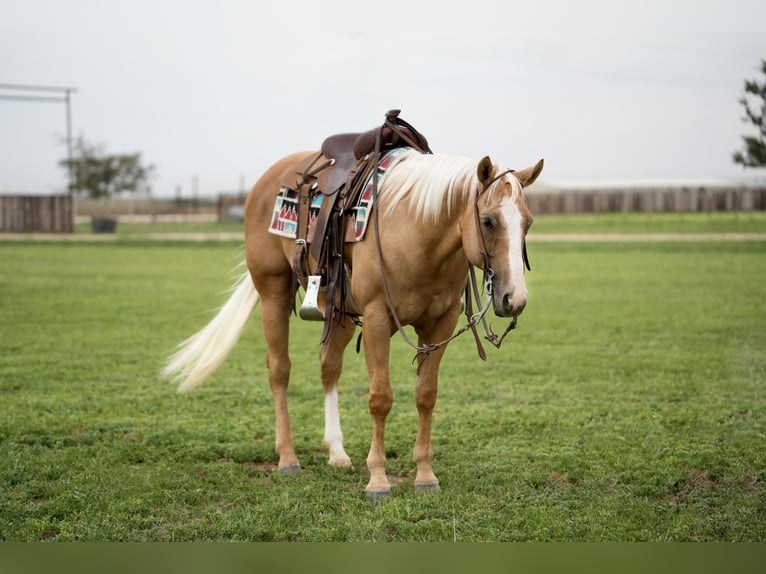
pixel 662 222
pixel 714 222
pixel 629 405
pixel 137 229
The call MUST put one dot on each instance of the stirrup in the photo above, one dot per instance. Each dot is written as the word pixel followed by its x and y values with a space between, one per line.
pixel 309 310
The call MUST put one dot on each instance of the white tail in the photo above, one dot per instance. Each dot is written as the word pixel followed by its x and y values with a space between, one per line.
pixel 202 353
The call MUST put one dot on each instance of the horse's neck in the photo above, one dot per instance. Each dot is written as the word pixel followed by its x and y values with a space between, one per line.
pixel 429 200
pixel 467 221
pixel 445 236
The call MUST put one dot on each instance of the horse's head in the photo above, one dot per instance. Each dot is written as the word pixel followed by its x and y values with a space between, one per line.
pixel 495 231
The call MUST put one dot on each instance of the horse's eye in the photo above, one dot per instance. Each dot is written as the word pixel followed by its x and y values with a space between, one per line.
pixel 487 223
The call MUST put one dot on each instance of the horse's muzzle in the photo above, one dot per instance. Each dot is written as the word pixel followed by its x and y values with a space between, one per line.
pixel 509 304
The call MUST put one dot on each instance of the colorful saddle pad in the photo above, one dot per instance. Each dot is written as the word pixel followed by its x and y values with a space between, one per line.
pixel 284 220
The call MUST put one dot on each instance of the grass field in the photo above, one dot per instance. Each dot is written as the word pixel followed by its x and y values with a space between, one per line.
pixel 629 405
pixel 713 222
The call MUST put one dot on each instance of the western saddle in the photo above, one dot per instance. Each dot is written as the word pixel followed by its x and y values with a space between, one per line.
pixel 339 172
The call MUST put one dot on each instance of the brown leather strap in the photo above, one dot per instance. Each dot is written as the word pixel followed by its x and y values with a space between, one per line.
pixel 471 284
pixel 524 254
pixel 481 233
pixel 333 260
pixel 322 227
pixel 406 131
pixel 484 254
pixel 305 186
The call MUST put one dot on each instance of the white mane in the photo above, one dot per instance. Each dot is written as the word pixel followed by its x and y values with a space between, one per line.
pixel 433 184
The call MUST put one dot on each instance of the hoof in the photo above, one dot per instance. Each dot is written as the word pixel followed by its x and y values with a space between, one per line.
pixel 290 469
pixel 340 462
pixel 427 486
pixel 378 493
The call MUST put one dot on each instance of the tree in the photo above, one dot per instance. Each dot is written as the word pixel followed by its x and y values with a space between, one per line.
pixel 754 102
pixel 100 175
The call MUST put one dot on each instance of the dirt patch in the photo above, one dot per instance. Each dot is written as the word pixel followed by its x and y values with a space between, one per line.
pixel 558 481
pixel 688 488
pixel 266 467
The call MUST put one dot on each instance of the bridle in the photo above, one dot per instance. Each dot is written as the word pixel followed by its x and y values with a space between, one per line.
pixel 484 256
pixel 471 290
pixel 472 287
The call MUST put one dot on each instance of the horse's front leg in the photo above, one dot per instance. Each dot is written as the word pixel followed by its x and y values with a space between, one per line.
pixel 376 336
pixel 425 397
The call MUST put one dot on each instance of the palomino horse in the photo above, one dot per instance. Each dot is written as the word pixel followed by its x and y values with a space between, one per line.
pixel 438 215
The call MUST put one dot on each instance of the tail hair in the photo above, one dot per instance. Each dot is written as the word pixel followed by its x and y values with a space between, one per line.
pixel 201 354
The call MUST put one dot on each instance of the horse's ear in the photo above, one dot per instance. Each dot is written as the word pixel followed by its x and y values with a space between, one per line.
pixel 529 175
pixel 485 170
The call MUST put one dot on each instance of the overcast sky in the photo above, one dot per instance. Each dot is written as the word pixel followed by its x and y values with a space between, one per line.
pixel 222 89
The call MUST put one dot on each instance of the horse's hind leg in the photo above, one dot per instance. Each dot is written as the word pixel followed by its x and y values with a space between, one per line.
pixel 332 363
pixel 275 313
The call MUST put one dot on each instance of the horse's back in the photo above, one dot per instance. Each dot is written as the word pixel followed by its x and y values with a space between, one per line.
pixel 260 201
pixel 265 252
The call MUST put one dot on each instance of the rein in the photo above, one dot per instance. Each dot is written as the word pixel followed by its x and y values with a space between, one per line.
pixel 471 290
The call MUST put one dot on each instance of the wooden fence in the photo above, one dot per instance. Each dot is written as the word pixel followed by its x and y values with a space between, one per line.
pixel 622 199
pixel 55 213
pixel 36 213
pixel 646 199
pixel 227 201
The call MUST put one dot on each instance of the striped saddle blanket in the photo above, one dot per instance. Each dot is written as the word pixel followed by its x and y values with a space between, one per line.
pixel 284 220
